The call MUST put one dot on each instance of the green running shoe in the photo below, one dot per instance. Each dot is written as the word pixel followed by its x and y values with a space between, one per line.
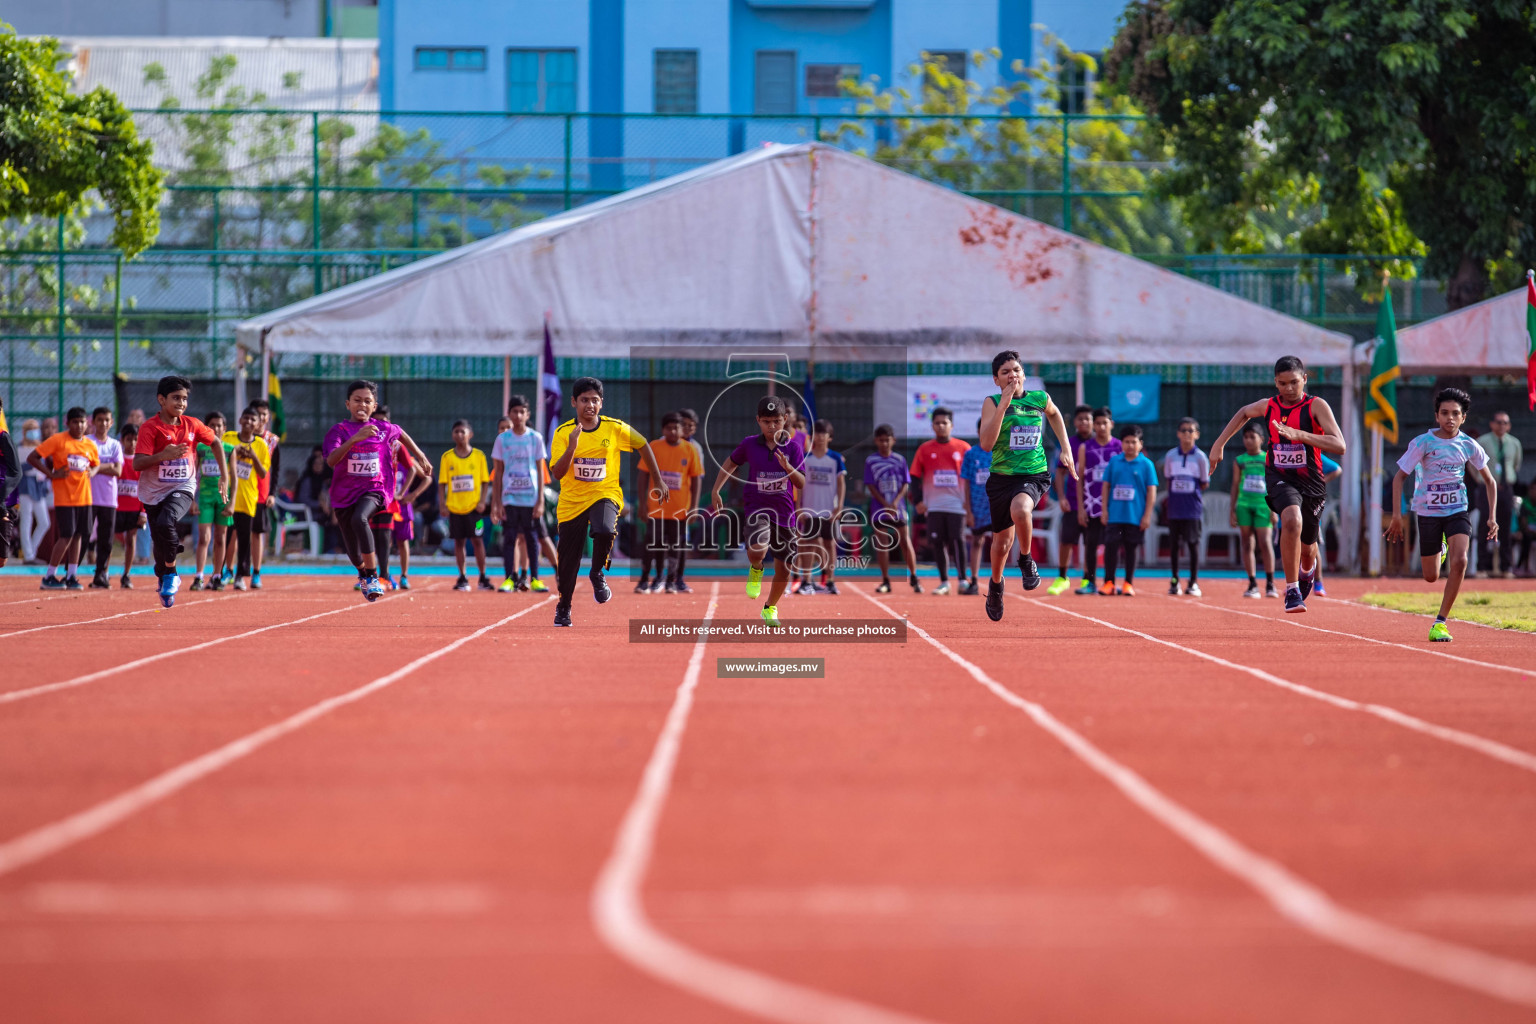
pixel 771 614
pixel 1439 634
pixel 755 582
pixel 1058 586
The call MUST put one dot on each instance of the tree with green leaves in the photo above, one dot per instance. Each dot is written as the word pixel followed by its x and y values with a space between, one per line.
pixel 956 131
pixel 60 150
pixel 1408 125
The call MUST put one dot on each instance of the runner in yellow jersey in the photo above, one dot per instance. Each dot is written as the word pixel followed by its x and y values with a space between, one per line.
pixel 586 451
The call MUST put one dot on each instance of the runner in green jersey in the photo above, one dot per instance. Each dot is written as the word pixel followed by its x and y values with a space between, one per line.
pixel 1013 429
pixel 1250 510
pixel 213 516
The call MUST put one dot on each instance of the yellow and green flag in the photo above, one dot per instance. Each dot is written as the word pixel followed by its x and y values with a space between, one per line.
pixel 275 399
pixel 1381 403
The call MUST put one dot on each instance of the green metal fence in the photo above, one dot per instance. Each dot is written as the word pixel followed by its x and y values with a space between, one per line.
pixel 266 207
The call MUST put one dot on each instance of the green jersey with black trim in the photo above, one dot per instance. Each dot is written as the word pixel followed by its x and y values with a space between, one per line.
pixel 208 473
pixel 1020 446
pixel 1251 487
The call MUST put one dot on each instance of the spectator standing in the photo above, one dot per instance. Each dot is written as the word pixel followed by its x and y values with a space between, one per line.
pixel 1505 454
pixel 32 503
pixel 109 451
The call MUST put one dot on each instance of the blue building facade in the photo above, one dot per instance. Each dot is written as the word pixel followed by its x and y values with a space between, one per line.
pixel 527 59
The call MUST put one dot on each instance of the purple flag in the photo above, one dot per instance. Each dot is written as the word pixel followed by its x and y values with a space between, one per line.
pixel 549 387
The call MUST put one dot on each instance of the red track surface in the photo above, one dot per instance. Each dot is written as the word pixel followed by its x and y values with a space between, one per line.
pixel 894 834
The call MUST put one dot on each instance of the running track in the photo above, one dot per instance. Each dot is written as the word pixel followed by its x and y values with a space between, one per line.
pixel 431 810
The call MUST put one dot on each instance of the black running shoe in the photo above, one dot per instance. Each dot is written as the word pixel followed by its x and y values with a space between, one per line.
pixel 970 589
pixel 600 589
pixel 99 582
pixel 995 600
pixel 1030 571
pixel 1294 603
pixel 562 615
pixel 1304 582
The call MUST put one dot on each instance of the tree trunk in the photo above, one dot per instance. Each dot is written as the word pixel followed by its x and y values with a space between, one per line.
pixel 1468 285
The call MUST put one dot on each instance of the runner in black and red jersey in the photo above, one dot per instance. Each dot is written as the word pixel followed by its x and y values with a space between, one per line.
pixel 1301 427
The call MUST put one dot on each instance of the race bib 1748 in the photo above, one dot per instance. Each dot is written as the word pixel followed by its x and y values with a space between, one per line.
pixel 364 464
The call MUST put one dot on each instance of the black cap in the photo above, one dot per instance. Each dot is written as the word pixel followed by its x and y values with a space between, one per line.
pixel 770 405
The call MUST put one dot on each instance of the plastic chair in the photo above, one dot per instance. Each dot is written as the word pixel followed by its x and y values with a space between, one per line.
pixel 1216 521
pixel 294 517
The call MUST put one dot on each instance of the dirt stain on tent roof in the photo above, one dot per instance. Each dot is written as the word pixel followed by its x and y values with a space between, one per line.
pixel 1025 247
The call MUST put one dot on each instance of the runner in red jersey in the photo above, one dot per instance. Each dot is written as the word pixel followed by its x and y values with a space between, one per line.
pixel 1301 428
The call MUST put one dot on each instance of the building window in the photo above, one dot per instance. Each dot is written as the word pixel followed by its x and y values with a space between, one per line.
pixel 1077 86
pixel 450 58
pixel 774 88
pixel 953 61
pixel 677 82
pixel 541 81
pixel 825 81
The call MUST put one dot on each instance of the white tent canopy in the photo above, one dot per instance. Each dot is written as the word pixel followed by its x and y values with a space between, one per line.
pixel 1489 337
pixel 799 245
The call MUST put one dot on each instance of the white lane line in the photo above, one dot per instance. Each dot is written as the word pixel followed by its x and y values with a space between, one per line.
pixel 1425 615
pixel 1293 897
pixel 621 921
pixel 108 618
pixel 1489 748
pixel 33 846
pixel 1432 651
pixel 91 677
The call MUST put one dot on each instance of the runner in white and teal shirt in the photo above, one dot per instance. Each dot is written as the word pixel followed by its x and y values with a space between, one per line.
pixel 1438 459
pixel 1013 425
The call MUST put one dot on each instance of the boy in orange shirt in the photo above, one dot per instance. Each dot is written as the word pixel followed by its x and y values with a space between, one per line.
pixel 69 459
pixel 680 468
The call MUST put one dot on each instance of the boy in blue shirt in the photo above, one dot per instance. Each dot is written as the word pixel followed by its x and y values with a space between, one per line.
pixel 975 468
pixel 1130 491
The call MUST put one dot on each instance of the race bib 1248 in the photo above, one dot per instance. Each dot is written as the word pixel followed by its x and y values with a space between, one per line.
pixel 1290 456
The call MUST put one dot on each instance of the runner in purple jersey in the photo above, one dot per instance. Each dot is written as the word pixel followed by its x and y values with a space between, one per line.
pixel 772 465
pixel 1095 454
pixel 1070 531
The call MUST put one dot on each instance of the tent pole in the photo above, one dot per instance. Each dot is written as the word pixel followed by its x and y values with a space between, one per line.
pixel 1373 517
pixel 239 379
pixel 1349 529
pixel 1079 384
pixel 506 383
pixel 266 368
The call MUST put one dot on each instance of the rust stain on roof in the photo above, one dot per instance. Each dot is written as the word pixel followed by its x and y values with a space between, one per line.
pixel 1024 248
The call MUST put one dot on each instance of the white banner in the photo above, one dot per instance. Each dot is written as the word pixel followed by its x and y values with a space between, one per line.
pixel 904 402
